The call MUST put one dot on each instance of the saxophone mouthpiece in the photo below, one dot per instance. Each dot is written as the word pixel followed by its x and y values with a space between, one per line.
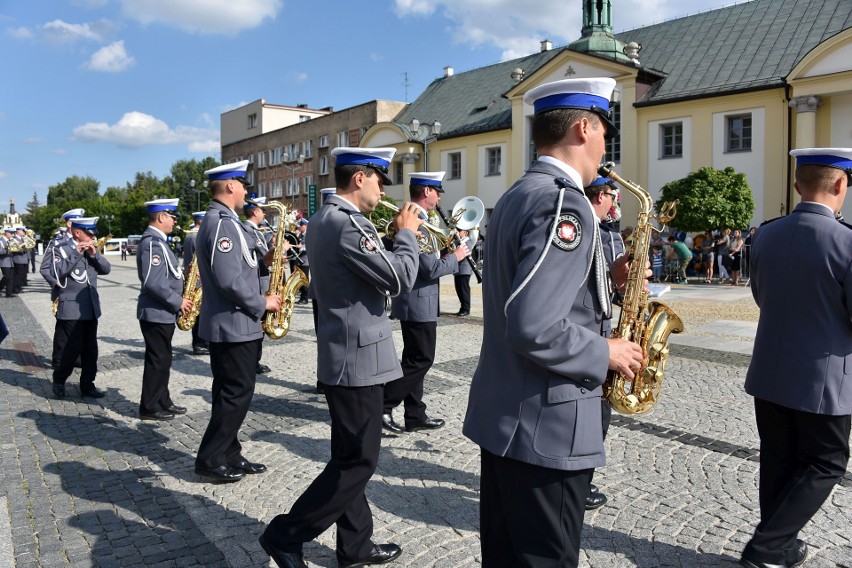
pixel 605 169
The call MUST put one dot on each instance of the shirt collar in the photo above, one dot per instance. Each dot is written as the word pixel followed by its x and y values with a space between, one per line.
pixel 158 231
pixel 821 205
pixel 573 174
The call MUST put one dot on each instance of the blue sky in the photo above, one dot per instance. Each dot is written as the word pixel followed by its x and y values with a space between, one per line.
pixel 108 88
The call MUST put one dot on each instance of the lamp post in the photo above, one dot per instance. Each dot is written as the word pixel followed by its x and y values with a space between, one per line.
pixel 424 134
pixel 109 219
pixel 291 170
pixel 198 192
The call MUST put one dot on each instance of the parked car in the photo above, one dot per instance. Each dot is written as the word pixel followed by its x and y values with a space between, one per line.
pixel 132 243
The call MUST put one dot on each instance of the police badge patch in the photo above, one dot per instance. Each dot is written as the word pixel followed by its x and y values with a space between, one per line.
pixel 260 244
pixel 155 260
pixel 224 245
pixel 568 233
pixel 368 244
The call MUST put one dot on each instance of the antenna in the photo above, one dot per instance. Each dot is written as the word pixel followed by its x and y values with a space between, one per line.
pixel 405 84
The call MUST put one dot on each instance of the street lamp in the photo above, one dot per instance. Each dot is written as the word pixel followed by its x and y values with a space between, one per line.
pixel 291 170
pixel 198 192
pixel 109 219
pixel 424 134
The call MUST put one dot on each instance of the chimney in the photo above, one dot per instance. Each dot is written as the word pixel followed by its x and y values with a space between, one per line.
pixel 448 71
pixel 546 45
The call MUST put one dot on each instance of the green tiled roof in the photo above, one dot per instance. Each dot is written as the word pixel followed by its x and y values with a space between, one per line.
pixel 472 101
pixel 747 46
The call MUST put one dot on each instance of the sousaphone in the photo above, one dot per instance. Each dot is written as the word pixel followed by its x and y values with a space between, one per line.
pixel 467 214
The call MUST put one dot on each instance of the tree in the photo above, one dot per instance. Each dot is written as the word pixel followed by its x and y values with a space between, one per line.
pixel 184 172
pixel 710 199
pixel 72 192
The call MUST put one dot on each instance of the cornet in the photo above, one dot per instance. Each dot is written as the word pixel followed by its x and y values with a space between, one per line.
pixel 425 244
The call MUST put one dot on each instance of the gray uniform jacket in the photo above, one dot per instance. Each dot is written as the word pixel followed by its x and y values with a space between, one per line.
pixel 22 257
pixel 801 278
pixel 5 255
pixel 613 248
pixel 162 280
pixel 421 304
pixel 227 261
pixel 189 247
pixel 77 278
pixel 352 275
pixel 535 396
pixel 262 246
pixel 46 267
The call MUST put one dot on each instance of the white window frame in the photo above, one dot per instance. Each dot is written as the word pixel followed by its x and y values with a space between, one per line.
pixel 323 166
pixel 343 138
pixel 252 120
pixel 307 181
pixel 323 141
pixel 261 159
pixel 493 161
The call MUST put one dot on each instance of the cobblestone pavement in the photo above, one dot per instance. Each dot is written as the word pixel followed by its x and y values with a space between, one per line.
pixel 87 484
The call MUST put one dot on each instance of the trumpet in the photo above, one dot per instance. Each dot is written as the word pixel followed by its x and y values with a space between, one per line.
pixel 443 239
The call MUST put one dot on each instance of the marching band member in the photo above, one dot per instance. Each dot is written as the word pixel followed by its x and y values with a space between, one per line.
pixel 76 266
pixel 254 218
pixel 353 275
pixel 160 302
pixel 230 322
pixel 535 399
pixel 6 264
pixel 20 260
pixel 199 346
pixel 417 312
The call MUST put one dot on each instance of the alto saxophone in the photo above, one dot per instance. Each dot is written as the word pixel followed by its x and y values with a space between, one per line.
pixel 277 324
pixel 647 323
pixel 191 292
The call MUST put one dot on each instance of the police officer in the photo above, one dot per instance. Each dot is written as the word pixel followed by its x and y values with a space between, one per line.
pixel 353 275
pixel 303 258
pixel 6 265
pixel 46 270
pixel 461 282
pixel 604 196
pixel 230 321
pixel 535 399
pixel 417 312
pixel 76 266
pixel 801 267
pixel 20 260
pixel 254 218
pixel 199 345
pixel 160 301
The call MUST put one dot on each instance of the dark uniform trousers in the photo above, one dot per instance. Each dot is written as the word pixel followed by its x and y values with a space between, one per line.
pixel 234 367
pixel 21 276
pixel 158 366
pixel 337 494
pixel 60 340
pixel 462 283
pixel 418 354
pixel 197 341
pixel 81 341
pixel 802 456
pixel 529 526
pixel 8 280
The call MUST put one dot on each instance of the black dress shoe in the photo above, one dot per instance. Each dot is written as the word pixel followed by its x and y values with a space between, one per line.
pixel 428 424
pixel 800 556
pixel 302 301
pixel 281 558
pixel 92 392
pixel 58 390
pixel 200 350
pixel 248 467
pixel 223 473
pixel 390 425
pixel 159 415
pixel 462 313
pixel 262 369
pixel 596 499
pixel 380 554
pixel 175 409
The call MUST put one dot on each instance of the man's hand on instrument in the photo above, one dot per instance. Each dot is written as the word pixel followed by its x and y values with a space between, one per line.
pixel 461 252
pixel 625 357
pixel 273 303
pixel 408 217
pixel 620 270
pixel 185 306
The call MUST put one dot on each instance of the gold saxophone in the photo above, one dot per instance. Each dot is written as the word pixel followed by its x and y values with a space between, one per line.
pixel 192 292
pixel 647 323
pixel 13 246
pixel 277 324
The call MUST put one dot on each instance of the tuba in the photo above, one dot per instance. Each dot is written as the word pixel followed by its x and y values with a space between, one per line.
pixel 29 240
pixel 647 323
pixel 277 324
pixel 192 292
pixel 14 246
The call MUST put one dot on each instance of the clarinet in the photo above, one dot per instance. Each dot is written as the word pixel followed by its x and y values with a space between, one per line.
pixel 457 241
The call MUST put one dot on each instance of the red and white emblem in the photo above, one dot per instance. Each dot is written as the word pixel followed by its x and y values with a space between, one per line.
pixel 368 245
pixel 569 232
pixel 224 245
pixel 156 260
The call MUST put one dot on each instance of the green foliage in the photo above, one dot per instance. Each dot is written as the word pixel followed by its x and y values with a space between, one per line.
pixel 72 192
pixel 382 214
pixel 710 199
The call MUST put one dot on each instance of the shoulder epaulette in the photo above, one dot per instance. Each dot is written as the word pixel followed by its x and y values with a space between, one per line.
pixel 224 215
pixel 565 183
pixel 770 220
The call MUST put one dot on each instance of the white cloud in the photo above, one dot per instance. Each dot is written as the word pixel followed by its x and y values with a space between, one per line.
pixel 205 147
pixel 137 129
pixel 20 33
pixel 3 175
pixel 300 77
pixel 65 32
pixel 111 58
pixel 90 3
pixel 226 17
pixel 518 26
